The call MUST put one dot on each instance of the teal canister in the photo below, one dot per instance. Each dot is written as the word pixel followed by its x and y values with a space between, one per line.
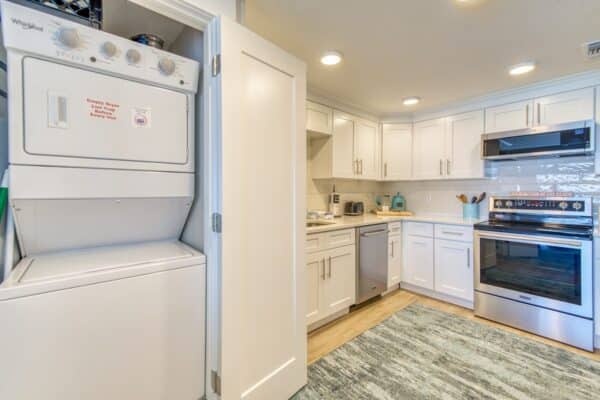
pixel 471 210
pixel 398 203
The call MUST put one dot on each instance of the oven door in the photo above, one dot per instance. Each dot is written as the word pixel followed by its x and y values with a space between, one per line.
pixel 554 273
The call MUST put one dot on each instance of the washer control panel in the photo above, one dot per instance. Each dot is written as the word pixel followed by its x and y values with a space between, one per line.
pixel 34 32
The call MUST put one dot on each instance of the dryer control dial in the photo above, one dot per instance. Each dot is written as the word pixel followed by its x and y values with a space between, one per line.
pixel 69 37
pixel 166 66
pixel 108 49
pixel 133 56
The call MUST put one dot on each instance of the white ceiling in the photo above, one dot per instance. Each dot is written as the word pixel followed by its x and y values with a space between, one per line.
pixel 441 50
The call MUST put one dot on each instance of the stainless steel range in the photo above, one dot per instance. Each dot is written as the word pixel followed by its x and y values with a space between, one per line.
pixel 533 266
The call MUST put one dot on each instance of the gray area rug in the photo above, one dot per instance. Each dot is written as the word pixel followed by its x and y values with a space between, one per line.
pixel 423 353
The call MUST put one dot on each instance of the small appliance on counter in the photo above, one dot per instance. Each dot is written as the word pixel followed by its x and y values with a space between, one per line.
pixel 354 208
pixel 334 203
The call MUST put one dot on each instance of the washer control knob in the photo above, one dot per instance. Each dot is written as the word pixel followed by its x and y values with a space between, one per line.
pixel 69 37
pixel 108 49
pixel 166 66
pixel 133 56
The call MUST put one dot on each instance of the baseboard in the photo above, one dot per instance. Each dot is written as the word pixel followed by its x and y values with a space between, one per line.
pixel 437 296
pixel 325 321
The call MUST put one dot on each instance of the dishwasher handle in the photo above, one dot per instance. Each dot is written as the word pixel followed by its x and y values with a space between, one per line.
pixel 374 233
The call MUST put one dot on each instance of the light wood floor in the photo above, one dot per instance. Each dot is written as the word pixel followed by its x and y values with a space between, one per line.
pixel 335 334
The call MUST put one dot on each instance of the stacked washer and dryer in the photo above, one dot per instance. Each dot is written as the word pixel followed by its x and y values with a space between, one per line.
pixel 106 302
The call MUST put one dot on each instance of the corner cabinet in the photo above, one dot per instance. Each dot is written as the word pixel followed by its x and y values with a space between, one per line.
pixel 396 152
pixel 449 148
pixel 352 151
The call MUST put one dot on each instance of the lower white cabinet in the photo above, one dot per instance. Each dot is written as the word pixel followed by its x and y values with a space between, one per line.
pixel 394 260
pixel 454 268
pixel 331 282
pixel 418 267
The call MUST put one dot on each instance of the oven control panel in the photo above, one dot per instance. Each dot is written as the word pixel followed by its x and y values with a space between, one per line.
pixel 555 205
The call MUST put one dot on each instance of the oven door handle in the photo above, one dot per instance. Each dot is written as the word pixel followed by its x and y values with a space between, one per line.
pixel 529 239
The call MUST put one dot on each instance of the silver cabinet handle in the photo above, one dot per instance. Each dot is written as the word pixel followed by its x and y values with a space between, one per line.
pixel 452 233
pixel 527 115
pixel 385 169
pixel 393 248
pixel 329 274
pixel 441 167
pixel 323 274
pixel 447 167
pixel 361 166
pixel 539 113
pixel 468 258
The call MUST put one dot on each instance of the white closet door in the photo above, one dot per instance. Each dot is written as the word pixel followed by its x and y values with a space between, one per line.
pixel 259 100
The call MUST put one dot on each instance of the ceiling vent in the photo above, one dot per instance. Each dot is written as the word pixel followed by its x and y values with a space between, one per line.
pixel 592 50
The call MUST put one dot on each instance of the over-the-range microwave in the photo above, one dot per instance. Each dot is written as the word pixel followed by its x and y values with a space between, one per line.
pixel 569 139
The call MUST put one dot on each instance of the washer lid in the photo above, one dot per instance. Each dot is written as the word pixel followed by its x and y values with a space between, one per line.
pixel 64 264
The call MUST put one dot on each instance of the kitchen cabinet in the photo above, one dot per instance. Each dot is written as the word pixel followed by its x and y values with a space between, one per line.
pixel 394 255
pixel 463 145
pixel 449 148
pixel 396 152
pixel 454 268
pixel 418 265
pixel 574 105
pixel 319 119
pixel 428 149
pixel 351 152
pixel 331 274
pixel 508 117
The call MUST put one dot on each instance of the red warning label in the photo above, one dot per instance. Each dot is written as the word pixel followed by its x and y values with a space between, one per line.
pixel 102 109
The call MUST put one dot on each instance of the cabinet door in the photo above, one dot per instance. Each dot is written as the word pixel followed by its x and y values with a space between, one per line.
pixel 339 286
pixel 570 106
pixel 418 265
pixel 319 119
pixel 394 261
pixel 315 275
pixel 463 145
pixel 454 268
pixel 428 149
pixel 396 150
pixel 344 165
pixel 508 117
pixel 366 140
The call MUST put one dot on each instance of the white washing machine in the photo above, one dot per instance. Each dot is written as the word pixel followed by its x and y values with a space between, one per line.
pixel 106 303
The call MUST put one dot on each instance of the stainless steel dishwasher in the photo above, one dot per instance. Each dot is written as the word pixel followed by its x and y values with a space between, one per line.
pixel 372 260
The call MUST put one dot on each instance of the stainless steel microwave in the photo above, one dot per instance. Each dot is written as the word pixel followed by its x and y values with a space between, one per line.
pixel 569 139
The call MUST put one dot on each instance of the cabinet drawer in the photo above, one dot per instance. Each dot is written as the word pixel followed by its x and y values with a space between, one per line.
pixel 395 228
pixel 329 240
pixel 454 232
pixel 419 229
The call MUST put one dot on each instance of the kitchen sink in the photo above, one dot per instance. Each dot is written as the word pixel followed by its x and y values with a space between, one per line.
pixel 319 222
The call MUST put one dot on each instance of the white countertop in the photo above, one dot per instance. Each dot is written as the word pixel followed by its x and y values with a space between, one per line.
pixel 372 219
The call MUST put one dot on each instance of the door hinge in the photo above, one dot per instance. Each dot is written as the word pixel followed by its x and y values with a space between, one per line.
pixel 217 222
pixel 216 65
pixel 215 381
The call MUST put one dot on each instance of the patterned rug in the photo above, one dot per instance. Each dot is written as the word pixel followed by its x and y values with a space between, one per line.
pixel 423 353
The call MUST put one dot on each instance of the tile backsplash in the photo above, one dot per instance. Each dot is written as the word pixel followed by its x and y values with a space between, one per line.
pixel 570 174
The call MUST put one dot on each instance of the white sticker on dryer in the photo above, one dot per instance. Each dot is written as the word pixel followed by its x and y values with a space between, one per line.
pixel 141 117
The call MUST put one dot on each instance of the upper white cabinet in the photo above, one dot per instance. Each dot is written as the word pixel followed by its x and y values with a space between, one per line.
pixel 509 117
pixel 463 145
pixel 563 107
pixel 396 152
pixel 319 119
pixel 570 106
pixel 352 151
pixel 448 147
pixel 428 149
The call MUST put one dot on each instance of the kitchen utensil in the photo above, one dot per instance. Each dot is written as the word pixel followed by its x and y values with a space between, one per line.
pixel 473 199
pixel 481 197
pixel 463 198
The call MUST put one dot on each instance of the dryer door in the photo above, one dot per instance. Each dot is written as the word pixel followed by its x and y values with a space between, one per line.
pixel 78 117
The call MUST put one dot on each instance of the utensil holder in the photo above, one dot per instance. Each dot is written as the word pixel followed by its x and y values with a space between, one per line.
pixel 470 211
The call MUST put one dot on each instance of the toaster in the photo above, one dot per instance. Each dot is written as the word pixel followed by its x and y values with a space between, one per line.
pixel 354 208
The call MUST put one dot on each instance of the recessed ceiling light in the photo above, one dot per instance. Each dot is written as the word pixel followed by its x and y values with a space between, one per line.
pixel 331 57
pixel 522 68
pixel 411 101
